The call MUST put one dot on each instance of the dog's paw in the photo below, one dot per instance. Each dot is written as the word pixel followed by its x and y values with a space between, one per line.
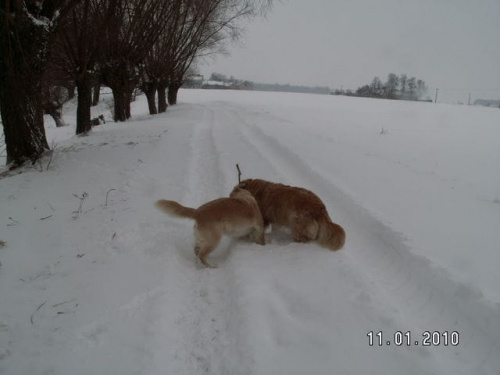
pixel 207 266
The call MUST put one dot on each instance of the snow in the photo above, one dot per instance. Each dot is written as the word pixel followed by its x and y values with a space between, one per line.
pixel 115 288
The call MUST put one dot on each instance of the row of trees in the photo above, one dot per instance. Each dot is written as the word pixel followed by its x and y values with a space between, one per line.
pixel 396 87
pixel 124 44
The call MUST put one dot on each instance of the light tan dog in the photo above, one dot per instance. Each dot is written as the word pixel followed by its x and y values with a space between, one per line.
pixel 298 209
pixel 237 216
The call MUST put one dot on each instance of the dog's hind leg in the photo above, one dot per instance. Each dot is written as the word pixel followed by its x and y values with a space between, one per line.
pixel 304 230
pixel 206 241
pixel 197 241
pixel 203 254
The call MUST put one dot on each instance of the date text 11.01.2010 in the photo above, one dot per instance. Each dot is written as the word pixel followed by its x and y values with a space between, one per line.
pixel 427 338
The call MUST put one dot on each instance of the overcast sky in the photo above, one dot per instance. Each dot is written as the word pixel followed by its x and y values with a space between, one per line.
pixel 453 45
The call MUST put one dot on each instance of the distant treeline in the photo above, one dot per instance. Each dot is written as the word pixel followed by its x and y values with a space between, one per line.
pixel 487 103
pixel 233 83
pixel 291 88
pixel 396 87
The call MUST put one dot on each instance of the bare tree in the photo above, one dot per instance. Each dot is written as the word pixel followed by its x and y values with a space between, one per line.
pixel 391 86
pixel 211 25
pixel 196 28
pixel 412 88
pixel 27 29
pixel 421 89
pixel 159 59
pixel 126 47
pixel 53 99
pixel 78 46
pixel 403 80
pixel 377 88
pixel 57 87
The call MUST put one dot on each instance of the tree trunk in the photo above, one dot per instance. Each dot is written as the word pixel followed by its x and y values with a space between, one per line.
pixel 71 92
pixel 24 47
pixel 173 89
pixel 84 89
pixel 56 114
pixel 129 95
pixel 162 98
pixel 150 91
pixel 96 93
pixel 151 96
pixel 121 83
pixel 120 104
pixel 22 117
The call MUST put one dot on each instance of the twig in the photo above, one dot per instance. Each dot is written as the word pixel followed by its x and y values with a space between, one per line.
pixel 14 222
pixel 37 309
pixel 82 198
pixel 110 190
pixel 62 303
pixel 239 173
pixel 46 217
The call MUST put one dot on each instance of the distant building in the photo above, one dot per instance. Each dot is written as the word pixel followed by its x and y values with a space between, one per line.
pixel 215 85
pixel 194 81
pixel 245 85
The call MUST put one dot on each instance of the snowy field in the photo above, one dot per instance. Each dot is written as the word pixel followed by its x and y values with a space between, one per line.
pixel 95 280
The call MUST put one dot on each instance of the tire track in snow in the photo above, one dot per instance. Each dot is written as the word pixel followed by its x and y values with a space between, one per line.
pixel 422 297
pixel 273 308
pixel 209 312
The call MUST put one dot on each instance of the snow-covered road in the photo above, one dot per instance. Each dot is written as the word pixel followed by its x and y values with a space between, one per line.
pixel 116 289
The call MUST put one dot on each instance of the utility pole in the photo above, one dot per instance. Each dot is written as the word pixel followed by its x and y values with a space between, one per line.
pixel 436 98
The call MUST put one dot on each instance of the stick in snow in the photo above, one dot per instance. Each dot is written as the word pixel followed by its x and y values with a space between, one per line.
pixel 80 207
pixel 109 191
pixel 14 222
pixel 38 308
pixel 239 173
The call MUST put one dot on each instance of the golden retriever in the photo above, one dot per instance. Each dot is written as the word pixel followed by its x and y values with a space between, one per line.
pixel 298 209
pixel 237 216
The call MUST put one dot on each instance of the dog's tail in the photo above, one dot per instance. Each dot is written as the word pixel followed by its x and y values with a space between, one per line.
pixel 330 235
pixel 175 209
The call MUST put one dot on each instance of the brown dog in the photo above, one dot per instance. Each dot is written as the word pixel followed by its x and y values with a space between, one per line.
pixel 298 209
pixel 237 216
